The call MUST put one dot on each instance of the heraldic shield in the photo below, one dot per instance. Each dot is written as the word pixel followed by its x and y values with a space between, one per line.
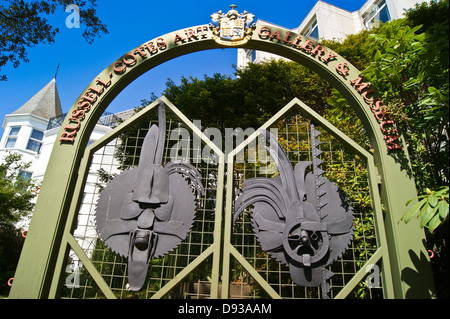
pixel 232 28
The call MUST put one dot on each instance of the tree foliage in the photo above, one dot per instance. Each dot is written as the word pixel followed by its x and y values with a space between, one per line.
pixel 16 191
pixel 16 194
pixel 410 67
pixel 427 14
pixel 407 61
pixel 23 25
pixel 250 97
pixel 433 207
pixel 11 242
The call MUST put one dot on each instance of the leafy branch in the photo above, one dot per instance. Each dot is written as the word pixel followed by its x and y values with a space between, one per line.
pixel 431 209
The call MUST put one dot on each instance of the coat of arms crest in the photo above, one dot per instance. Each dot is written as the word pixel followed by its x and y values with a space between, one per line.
pixel 232 28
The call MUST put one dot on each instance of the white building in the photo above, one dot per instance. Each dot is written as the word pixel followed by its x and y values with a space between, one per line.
pixel 32 130
pixel 24 129
pixel 326 21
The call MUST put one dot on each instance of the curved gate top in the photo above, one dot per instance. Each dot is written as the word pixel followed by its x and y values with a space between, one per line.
pixel 406 252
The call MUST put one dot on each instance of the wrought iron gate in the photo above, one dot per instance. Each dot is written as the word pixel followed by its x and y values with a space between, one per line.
pixel 219 259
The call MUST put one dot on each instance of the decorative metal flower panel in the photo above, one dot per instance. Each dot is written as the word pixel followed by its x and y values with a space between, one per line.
pixel 146 211
pixel 301 219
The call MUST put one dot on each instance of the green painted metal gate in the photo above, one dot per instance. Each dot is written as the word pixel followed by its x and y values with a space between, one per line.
pixel 219 259
pixel 62 256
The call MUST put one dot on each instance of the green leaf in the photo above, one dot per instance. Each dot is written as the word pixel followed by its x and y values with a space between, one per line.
pixel 410 213
pixel 429 213
pixel 377 56
pixel 419 197
pixel 443 209
pixel 432 90
pixel 434 223
pixel 443 192
pixel 433 200
pixel 424 210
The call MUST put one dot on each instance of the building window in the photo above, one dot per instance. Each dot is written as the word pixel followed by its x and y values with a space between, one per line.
pixel 35 141
pixel 313 30
pixel 379 13
pixel 250 55
pixel 24 175
pixel 12 137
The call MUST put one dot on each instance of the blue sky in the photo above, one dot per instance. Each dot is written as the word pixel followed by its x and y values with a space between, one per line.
pixel 131 23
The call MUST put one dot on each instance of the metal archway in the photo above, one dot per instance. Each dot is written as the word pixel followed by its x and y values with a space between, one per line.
pixel 35 272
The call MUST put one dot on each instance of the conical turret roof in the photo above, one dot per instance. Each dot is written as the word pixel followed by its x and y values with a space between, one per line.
pixel 45 103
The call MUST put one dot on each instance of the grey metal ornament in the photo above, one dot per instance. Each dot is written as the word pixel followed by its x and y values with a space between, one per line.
pixel 146 211
pixel 300 219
